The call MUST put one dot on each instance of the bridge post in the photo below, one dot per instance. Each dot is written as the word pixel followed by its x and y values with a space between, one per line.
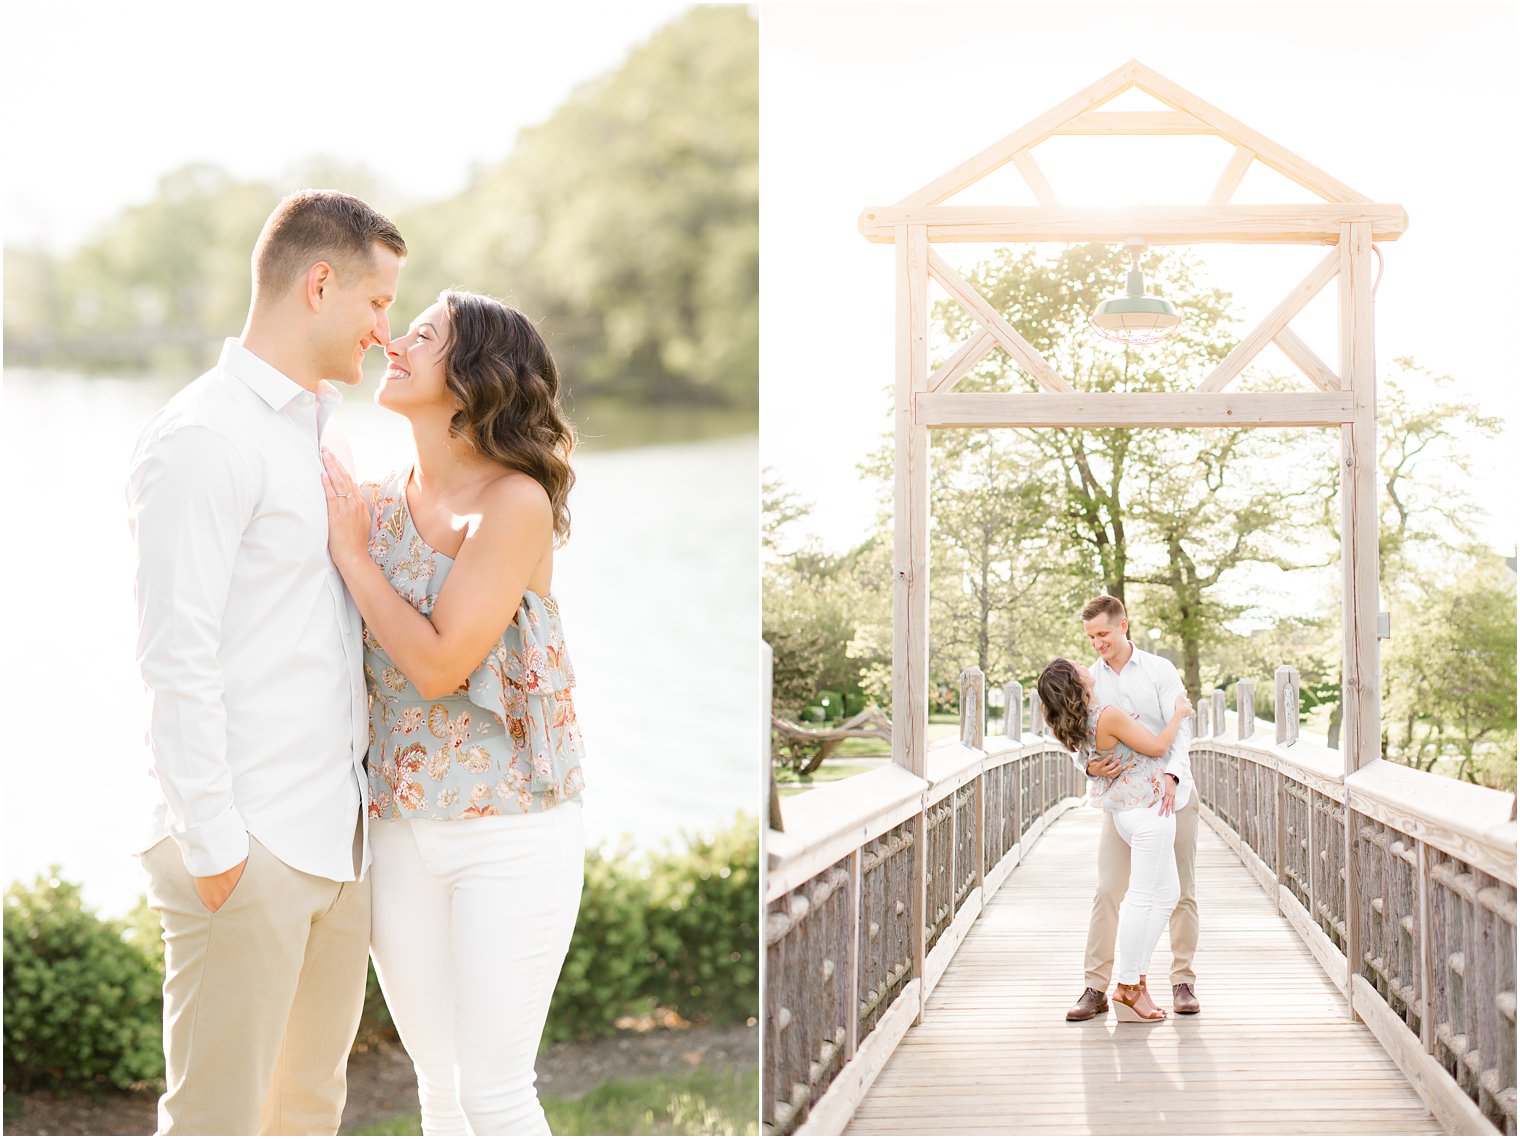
pixel 1216 711
pixel 1285 704
pixel 1362 719
pixel 1245 709
pixel 1036 714
pixel 910 555
pixel 973 707
pixel 1013 710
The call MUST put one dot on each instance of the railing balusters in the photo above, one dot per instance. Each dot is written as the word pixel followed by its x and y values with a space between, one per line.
pixel 1430 933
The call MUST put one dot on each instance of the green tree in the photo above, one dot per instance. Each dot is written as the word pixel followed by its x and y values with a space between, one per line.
pixel 628 221
pixel 1177 511
pixel 1449 677
pixel 161 282
pixel 1048 298
pixel 826 616
pixel 1428 434
pixel 779 508
pixel 626 224
pixel 1004 581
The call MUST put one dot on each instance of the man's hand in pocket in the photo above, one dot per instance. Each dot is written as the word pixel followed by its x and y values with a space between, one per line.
pixel 217 888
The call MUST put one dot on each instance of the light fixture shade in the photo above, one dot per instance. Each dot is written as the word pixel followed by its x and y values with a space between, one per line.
pixel 1136 318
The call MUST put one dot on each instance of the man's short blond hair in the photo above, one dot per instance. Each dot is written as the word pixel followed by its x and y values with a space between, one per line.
pixel 1104 606
pixel 319 225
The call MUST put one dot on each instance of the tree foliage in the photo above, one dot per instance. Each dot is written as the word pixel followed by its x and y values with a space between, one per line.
pixel 1178 513
pixel 1449 675
pixel 626 224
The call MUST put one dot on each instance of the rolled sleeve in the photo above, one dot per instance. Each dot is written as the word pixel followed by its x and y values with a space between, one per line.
pixel 188 504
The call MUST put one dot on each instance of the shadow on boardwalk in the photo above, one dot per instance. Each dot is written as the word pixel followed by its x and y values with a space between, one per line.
pixel 1273 1052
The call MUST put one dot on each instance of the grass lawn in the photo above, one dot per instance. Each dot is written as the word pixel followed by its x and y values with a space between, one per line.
pixel 941 726
pixel 788 782
pixel 704 1101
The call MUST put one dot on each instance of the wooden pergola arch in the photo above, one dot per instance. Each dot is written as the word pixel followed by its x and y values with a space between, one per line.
pixel 1344 219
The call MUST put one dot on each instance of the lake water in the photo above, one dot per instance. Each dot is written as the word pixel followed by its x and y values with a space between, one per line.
pixel 659 585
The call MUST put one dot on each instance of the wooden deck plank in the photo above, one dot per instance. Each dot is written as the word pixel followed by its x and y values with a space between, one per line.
pixel 1273 1052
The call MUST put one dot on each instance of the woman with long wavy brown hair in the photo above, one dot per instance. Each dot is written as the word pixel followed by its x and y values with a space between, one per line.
pixel 1135 797
pixel 475 755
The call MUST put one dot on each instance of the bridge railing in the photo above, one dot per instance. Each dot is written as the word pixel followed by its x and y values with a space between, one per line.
pixel 1407 874
pixel 871 888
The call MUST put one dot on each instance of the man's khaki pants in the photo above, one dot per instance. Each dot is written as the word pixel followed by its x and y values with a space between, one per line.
pixel 1113 881
pixel 261 999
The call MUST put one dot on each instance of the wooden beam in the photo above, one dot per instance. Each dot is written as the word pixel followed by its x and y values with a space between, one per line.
pixel 1279 158
pixel 1359 496
pixel 1234 174
pixel 1276 320
pixel 1135 409
pixel 910 591
pixel 1023 353
pixel 1136 122
pixel 966 357
pixel 984 162
pixel 1308 363
pixel 1313 224
pixel 910 563
pixel 1360 725
pixel 1035 178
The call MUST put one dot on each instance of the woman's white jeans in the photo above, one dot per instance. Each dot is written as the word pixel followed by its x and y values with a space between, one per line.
pixel 472 920
pixel 1153 888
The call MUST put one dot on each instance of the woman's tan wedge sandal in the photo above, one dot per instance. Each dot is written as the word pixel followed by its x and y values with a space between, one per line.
pixel 1124 1000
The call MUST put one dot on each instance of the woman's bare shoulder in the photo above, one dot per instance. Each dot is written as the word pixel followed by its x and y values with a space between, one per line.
pixel 514 497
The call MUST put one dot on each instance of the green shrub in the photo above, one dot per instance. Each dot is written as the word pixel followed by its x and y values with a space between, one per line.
pixel 671 929
pixel 703 926
pixel 609 967
pixel 375 1021
pixel 83 1005
pixel 674 929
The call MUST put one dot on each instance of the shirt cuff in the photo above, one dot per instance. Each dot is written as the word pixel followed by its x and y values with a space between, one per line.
pixel 215 846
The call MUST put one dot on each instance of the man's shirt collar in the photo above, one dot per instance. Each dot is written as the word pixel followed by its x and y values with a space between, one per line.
pixel 270 384
pixel 1135 656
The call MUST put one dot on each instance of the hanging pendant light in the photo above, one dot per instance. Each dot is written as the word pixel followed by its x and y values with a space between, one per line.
pixel 1136 318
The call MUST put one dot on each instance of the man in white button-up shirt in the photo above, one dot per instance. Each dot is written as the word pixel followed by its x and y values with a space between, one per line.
pixel 1146 686
pixel 250 651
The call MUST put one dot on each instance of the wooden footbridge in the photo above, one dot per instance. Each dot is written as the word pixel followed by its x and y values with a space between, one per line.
pixel 923 919
pixel 925 938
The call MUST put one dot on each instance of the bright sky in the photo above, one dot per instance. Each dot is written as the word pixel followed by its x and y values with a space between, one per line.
pixel 103 98
pixel 863 104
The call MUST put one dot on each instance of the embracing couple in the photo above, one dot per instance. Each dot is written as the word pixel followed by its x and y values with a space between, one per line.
pixel 1126 721
pixel 361 723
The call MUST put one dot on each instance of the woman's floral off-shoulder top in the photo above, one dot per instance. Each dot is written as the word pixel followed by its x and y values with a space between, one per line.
pixel 506 741
pixel 1138 783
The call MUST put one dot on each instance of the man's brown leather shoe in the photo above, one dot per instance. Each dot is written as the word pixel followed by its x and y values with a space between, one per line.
pixel 1088 1005
pixel 1183 1000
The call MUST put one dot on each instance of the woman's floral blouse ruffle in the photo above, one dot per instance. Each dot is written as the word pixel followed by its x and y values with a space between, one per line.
pixel 507 741
pixel 1138 783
